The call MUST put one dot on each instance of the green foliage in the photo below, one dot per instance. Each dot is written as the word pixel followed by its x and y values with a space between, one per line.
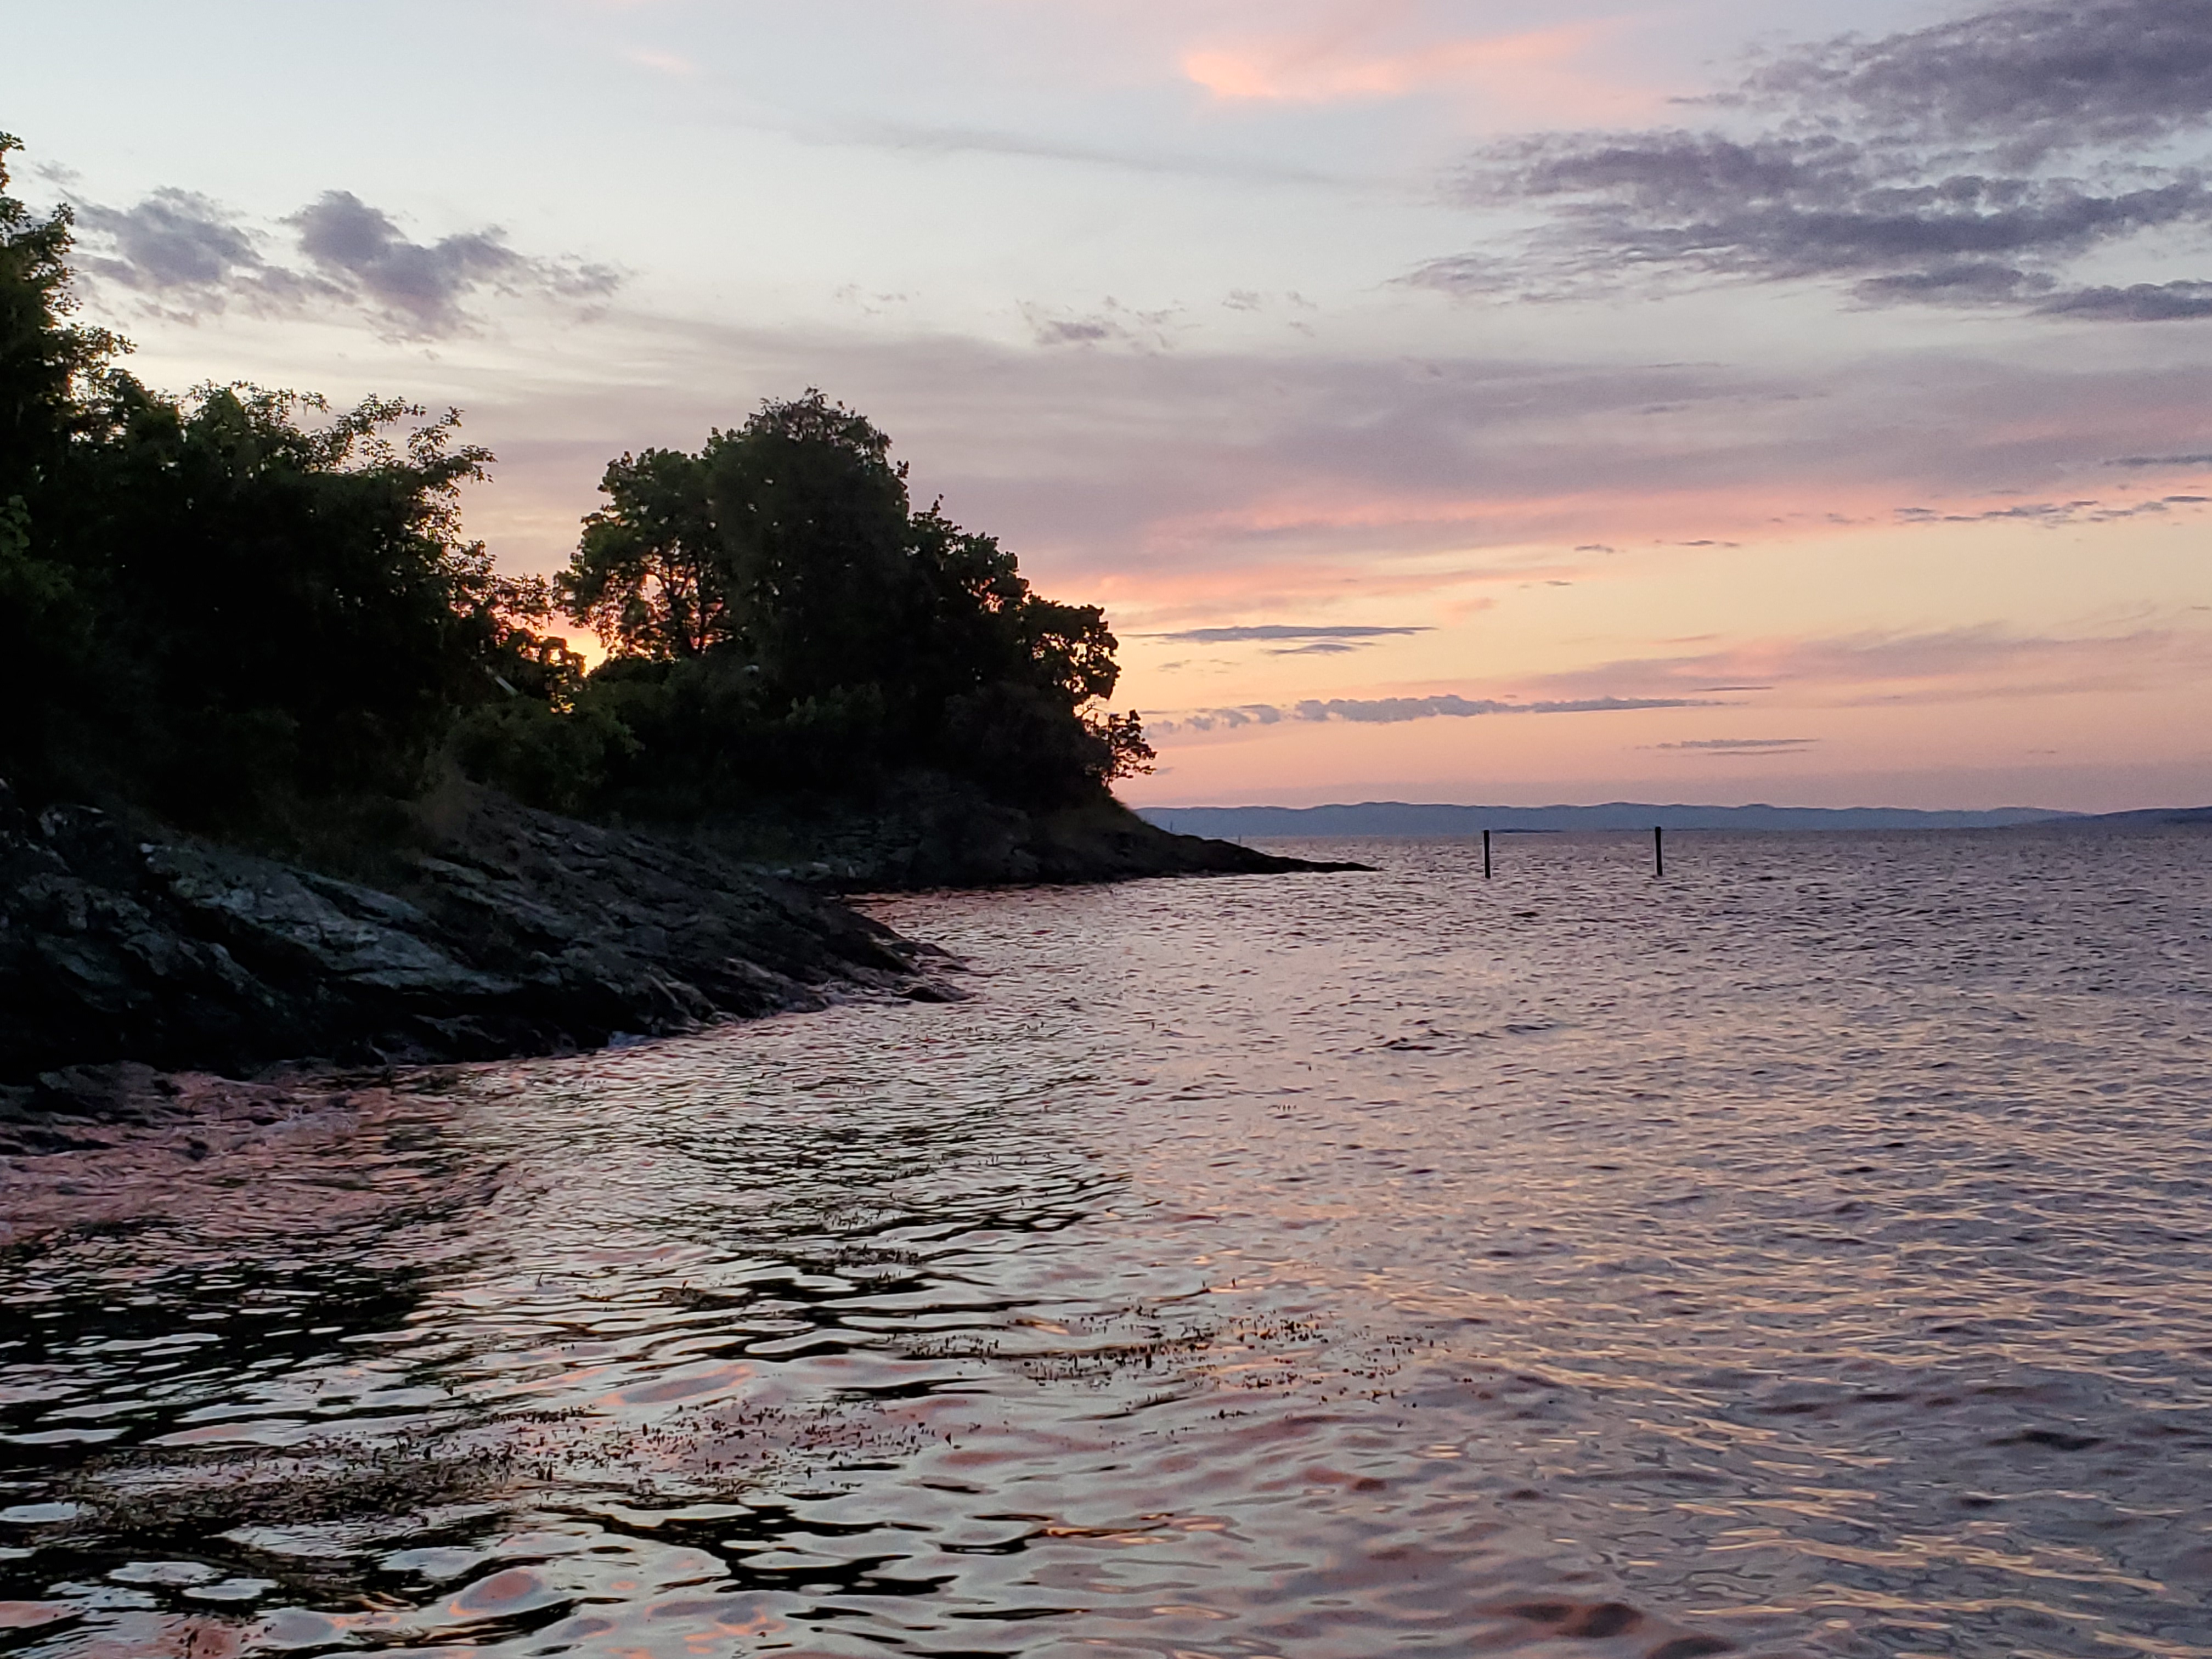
pixel 45 644
pixel 553 758
pixel 293 603
pixel 280 607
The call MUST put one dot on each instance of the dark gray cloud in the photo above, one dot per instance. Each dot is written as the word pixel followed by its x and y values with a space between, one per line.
pixel 1280 631
pixel 2053 514
pixel 1112 324
pixel 2027 80
pixel 1740 745
pixel 2138 303
pixel 358 246
pixel 422 286
pixel 2171 462
pixel 1076 330
pixel 1226 720
pixel 1972 164
pixel 187 255
pixel 172 239
pixel 183 254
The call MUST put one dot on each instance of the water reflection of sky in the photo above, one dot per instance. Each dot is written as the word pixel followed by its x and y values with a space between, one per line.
pixel 1808 1255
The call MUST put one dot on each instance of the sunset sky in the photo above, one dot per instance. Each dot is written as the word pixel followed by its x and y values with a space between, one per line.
pixel 1473 401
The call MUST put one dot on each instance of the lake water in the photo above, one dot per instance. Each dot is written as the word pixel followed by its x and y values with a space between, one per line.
pixel 1810 1253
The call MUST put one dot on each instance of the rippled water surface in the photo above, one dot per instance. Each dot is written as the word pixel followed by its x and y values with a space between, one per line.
pixel 1810 1253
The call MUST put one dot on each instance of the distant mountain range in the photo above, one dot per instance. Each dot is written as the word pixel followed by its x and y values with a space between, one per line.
pixel 2149 816
pixel 1391 817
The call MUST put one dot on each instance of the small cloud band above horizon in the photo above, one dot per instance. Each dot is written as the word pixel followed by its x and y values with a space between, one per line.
pixel 1740 745
pixel 1390 711
pixel 1275 631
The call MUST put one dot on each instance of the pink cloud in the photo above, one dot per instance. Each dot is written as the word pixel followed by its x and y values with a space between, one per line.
pixel 1202 594
pixel 1349 521
pixel 1534 70
pixel 1956 665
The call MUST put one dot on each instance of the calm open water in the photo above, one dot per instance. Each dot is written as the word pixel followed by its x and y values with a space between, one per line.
pixel 1810 1254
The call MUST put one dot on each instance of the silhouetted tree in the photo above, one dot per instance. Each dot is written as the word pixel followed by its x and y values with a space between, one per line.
pixel 45 361
pixel 46 364
pixel 781 618
pixel 647 578
pixel 290 607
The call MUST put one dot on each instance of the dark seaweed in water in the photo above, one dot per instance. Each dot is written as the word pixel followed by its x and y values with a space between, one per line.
pixel 1806 1254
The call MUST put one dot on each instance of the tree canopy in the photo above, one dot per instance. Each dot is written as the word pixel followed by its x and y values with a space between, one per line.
pixel 780 617
pixel 644 578
pixel 45 361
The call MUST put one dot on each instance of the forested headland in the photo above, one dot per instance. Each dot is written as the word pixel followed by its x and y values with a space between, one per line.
pixel 288 770
pixel 253 617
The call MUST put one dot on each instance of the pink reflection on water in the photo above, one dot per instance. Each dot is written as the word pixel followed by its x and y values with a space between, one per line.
pixel 1803 1257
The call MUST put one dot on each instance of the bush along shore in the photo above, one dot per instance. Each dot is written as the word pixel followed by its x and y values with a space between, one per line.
pixel 292 771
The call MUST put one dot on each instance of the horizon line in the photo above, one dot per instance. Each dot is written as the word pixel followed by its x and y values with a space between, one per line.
pixel 1591 806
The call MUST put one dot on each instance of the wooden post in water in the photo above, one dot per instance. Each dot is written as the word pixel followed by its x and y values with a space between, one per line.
pixel 1485 855
pixel 1658 852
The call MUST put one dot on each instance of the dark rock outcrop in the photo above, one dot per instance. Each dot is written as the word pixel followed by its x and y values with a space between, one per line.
pixel 508 931
pixel 933 832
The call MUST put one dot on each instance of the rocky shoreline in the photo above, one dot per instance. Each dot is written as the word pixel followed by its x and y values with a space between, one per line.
pixel 512 931
pixel 505 932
